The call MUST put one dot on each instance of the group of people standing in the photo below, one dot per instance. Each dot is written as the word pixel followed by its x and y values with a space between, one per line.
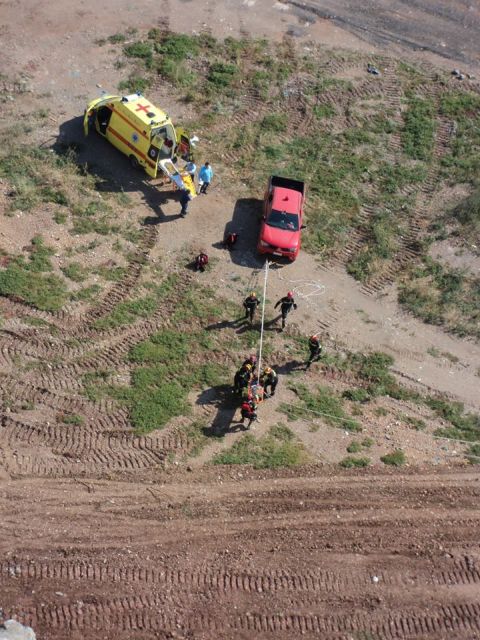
pixel 253 388
pixel 286 304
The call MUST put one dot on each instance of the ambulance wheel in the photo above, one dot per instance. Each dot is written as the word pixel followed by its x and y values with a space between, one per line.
pixel 133 161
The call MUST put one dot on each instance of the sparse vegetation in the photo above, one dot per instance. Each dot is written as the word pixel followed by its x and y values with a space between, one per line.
pixel 350 462
pixel 26 279
pixel 419 128
pixel 324 404
pixel 395 459
pixel 443 296
pixel 277 449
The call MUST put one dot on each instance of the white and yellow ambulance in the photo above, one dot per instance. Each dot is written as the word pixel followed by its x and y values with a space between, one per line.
pixel 144 133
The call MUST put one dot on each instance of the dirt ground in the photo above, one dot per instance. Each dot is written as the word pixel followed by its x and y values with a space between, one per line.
pixel 99 539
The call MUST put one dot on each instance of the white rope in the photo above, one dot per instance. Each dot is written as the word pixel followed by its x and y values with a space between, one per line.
pixel 267 264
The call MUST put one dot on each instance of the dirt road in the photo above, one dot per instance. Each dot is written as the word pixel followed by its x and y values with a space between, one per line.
pixel 240 556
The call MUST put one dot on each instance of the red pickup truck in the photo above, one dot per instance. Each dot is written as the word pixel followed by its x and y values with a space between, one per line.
pixel 282 218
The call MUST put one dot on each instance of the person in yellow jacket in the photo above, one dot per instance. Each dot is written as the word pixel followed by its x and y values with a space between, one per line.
pixel 269 378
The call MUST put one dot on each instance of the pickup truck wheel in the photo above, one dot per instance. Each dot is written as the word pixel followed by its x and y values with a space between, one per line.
pixel 133 161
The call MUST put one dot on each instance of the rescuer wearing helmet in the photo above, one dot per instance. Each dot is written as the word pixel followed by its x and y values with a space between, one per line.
pixel 315 350
pixel 248 411
pixel 201 261
pixel 287 302
pixel 252 361
pixel 242 378
pixel 269 378
pixel 250 305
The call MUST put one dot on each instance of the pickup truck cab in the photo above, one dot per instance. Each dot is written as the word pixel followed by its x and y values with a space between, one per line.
pixel 282 220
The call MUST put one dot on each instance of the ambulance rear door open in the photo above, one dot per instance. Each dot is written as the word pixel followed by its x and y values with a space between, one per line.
pixel 91 110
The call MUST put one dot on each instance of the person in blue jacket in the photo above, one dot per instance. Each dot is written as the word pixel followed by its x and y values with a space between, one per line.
pixel 205 177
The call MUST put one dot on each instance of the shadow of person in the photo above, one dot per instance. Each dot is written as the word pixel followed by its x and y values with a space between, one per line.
pixel 288 367
pixel 110 168
pixel 226 404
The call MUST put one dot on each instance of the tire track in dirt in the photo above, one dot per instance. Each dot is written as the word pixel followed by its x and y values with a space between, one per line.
pixel 228 582
pixel 419 220
pixel 142 613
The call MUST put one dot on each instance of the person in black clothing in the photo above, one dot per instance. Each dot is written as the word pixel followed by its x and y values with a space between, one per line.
pixel 250 304
pixel 315 350
pixel 287 302
pixel 185 197
pixel 252 361
pixel 242 378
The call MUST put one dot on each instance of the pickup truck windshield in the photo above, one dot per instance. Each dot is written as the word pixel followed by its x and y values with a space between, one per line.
pixel 283 220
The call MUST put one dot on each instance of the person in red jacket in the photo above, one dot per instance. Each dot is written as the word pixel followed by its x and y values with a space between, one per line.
pixel 201 262
pixel 249 412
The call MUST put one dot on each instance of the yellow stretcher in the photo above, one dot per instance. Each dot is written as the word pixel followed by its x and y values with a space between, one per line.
pixel 180 178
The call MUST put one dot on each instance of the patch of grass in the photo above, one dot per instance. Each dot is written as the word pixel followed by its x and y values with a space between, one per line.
pixel 416 423
pixel 25 279
pixel 324 404
pixel 461 162
pixel 127 312
pixel 134 83
pixel 419 128
pixel 473 454
pixel 116 38
pixel 381 412
pixel 195 433
pixel 357 395
pixel 354 447
pixel 466 218
pixel 86 293
pixel 95 385
pixel 350 462
pixel 112 274
pixel 465 426
pixel 459 104
pixel 143 50
pixel 71 418
pixel 275 122
pixel 221 75
pixel 277 449
pixel 74 271
pixel 367 443
pixel 60 217
pixel 443 296
pixel 396 458
pixel 322 111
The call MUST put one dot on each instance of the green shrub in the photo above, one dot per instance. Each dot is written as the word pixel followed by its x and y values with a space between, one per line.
pixel 350 461
pixel 142 50
pixel 354 447
pixel 116 38
pixel 396 458
pixel 221 74
pixel 357 395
